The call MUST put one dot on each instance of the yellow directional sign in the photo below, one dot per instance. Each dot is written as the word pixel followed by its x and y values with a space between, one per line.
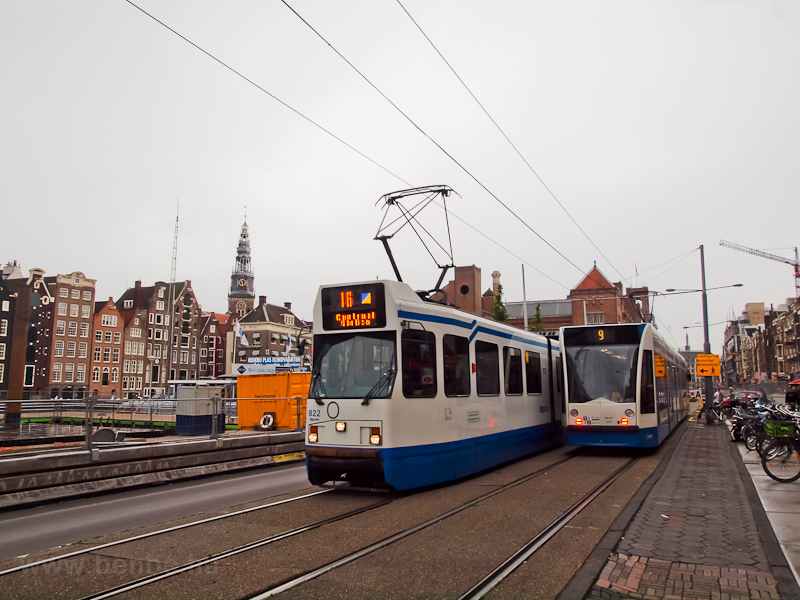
pixel 707 365
pixel 661 365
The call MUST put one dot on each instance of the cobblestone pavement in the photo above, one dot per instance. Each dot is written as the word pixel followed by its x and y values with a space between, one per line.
pixel 695 535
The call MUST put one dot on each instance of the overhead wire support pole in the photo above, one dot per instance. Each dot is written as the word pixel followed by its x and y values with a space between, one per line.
pixel 709 386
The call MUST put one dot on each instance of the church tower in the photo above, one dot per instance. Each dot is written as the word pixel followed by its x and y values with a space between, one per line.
pixel 242 296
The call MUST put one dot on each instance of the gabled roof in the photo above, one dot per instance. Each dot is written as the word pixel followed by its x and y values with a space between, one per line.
pixel 270 313
pixel 594 279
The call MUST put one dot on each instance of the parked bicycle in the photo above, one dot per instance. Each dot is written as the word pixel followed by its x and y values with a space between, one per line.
pixel 780 455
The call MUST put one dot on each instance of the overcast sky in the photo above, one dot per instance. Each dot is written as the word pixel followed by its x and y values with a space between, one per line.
pixel 657 126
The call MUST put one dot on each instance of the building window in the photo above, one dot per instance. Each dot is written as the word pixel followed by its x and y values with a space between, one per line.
pixel 116 355
pixel 158 334
pixel 288 319
pixel 85 311
pixel 4 327
pixel 105 375
pixel 203 352
pixel 184 341
pixel 63 292
pixel 97 354
pixel 58 350
pixel 30 372
pixel 115 375
pixel 83 350
pixel 71 349
pixel 2 351
pixel 87 295
pixel 85 330
pixel 98 336
pixel 56 372
pixel 2 372
pixel 161 292
pixel 76 294
pixel 136 332
pixel 184 357
pixel 62 309
pixel 160 305
pixel 95 374
pixel 127 304
pixel 117 337
pixel 595 319
pixel 106 354
pixel 73 328
pixel 69 373
pixel 81 373
pixel 108 337
pixel 73 310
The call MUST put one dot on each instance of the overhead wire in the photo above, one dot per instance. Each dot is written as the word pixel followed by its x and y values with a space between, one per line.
pixel 339 139
pixel 434 142
pixel 503 133
pixel 273 96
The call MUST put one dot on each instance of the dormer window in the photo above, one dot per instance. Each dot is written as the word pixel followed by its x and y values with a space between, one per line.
pixel 288 319
pixel 128 304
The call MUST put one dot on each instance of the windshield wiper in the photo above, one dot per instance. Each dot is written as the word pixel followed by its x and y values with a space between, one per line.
pixel 383 380
pixel 316 383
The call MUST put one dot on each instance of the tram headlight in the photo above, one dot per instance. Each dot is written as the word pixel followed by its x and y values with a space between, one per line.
pixel 629 412
pixel 341 426
pixel 375 436
pixel 313 437
pixel 573 412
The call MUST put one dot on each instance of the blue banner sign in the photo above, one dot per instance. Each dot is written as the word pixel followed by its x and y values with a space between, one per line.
pixel 278 361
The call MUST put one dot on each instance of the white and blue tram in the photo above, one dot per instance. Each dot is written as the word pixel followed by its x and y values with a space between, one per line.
pixel 409 393
pixel 624 386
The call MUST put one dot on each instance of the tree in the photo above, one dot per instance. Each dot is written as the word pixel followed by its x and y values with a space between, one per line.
pixel 499 311
pixel 537 325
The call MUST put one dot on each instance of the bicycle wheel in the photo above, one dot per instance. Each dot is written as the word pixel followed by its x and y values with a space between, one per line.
pixel 750 436
pixel 784 465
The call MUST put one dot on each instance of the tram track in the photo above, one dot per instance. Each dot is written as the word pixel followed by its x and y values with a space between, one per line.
pixel 290 570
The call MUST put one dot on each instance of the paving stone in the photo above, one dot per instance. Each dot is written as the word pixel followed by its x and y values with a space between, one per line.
pixel 701 551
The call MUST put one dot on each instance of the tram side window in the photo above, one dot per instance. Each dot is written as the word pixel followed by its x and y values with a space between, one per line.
pixel 512 364
pixel 533 372
pixel 456 365
pixel 487 369
pixel 419 363
pixel 647 391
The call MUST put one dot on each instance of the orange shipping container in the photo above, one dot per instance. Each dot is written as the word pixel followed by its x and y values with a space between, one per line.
pixel 272 401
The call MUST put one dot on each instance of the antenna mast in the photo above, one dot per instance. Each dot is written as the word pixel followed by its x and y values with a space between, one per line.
pixel 172 276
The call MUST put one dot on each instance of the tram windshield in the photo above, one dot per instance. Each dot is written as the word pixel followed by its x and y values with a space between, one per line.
pixel 602 373
pixel 354 365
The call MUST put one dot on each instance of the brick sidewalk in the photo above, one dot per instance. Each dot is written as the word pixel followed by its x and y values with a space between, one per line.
pixel 695 535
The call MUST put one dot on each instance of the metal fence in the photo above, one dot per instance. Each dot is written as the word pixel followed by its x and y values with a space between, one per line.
pixel 70 420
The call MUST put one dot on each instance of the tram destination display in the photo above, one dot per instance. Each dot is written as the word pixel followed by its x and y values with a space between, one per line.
pixel 602 336
pixel 353 307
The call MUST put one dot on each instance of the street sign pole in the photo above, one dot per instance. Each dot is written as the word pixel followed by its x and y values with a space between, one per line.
pixel 709 385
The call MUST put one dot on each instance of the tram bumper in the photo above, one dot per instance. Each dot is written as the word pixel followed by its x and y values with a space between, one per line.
pixel 357 466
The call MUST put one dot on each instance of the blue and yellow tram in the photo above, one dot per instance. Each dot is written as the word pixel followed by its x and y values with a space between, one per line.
pixel 624 386
pixel 410 393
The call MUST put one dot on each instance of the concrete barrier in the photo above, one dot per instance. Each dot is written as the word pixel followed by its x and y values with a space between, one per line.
pixel 47 477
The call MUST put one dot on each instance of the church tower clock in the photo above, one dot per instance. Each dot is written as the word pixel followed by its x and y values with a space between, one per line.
pixel 242 296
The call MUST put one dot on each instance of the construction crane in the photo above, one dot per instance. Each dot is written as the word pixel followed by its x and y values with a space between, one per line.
pixel 795 263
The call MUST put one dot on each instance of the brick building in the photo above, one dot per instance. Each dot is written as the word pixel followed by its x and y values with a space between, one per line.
pixel 107 334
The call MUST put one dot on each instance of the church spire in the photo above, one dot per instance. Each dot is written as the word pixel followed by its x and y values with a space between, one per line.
pixel 241 298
